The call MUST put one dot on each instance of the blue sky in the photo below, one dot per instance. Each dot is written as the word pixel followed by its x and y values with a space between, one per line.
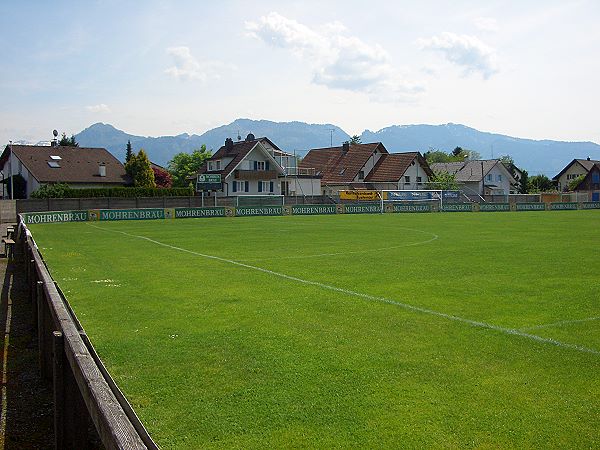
pixel 527 69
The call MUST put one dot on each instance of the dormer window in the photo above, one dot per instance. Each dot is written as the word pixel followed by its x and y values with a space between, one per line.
pixel 214 165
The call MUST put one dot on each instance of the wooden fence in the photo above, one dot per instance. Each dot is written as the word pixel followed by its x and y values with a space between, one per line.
pixel 84 392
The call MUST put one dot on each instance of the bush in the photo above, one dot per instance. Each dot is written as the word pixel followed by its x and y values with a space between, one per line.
pixel 61 190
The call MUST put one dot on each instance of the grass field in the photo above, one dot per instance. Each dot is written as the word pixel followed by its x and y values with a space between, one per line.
pixel 395 330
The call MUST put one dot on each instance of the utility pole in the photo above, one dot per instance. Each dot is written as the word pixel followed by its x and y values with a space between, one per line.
pixel 12 190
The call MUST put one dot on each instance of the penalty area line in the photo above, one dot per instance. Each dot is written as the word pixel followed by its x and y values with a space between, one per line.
pixel 373 298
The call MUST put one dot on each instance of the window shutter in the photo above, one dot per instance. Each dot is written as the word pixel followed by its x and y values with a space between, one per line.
pixel 260 186
pixel 270 186
pixel 266 165
pixel 255 165
pixel 234 185
pixel 246 186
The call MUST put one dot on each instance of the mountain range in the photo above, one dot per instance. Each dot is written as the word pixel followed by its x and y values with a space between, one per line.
pixel 535 156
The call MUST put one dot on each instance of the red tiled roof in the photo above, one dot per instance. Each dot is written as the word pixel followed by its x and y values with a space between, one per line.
pixel 76 164
pixel 392 166
pixel 337 166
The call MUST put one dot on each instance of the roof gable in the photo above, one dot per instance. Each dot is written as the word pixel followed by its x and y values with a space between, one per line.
pixel 393 166
pixel 68 164
pixel 587 164
pixel 340 166
pixel 238 152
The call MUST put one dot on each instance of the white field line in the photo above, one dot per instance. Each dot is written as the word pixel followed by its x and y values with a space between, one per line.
pixel 3 412
pixel 485 325
pixel 435 236
pixel 560 323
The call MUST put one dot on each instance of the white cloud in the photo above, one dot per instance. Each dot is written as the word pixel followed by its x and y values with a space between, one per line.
pixel 486 24
pixel 338 60
pixel 100 108
pixel 187 67
pixel 466 51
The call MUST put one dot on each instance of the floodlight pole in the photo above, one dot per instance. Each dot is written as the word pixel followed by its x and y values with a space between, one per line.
pixel 12 191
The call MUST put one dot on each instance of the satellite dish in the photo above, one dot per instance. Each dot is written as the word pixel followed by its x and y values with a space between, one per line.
pixel 55 133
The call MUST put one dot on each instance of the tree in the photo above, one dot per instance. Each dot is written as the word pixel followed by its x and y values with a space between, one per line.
pixel 138 168
pixel 539 183
pixel 68 142
pixel 507 160
pixel 436 156
pixel 575 182
pixel 523 182
pixel 128 152
pixel 356 139
pixel 162 178
pixel 184 165
pixel 443 180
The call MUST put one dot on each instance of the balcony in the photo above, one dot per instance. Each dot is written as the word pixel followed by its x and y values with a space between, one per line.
pixel 254 174
pixel 300 171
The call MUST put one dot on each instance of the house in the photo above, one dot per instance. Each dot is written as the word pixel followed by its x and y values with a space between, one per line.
pixel 366 166
pixel 591 183
pixel 575 169
pixel 256 166
pixel 479 177
pixel 32 166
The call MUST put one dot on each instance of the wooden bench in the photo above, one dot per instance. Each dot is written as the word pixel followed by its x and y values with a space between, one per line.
pixel 9 247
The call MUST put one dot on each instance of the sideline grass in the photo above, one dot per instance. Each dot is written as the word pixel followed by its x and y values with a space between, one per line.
pixel 216 355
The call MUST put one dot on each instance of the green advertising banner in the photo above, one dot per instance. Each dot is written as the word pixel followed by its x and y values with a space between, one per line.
pixel 362 208
pixel 494 207
pixel 590 205
pixel 563 206
pixel 457 207
pixel 411 208
pixel 58 216
pixel 313 209
pixel 185 213
pixel 259 211
pixel 531 206
pixel 131 214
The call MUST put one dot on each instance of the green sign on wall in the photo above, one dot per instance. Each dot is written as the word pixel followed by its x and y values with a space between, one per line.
pixel 563 206
pixel 313 209
pixel 62 216
pixel 494 207
pixel 259 211
pixel 531 206
pixel 184 213
pixel 362 208
pixel 131 214
pixel 590 205
pixel 412 208
pixel 457 207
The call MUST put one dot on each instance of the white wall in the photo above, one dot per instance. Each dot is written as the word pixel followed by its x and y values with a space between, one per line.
pixel 503 183
pixel 414 170
pixel 304 186
pixel 570 174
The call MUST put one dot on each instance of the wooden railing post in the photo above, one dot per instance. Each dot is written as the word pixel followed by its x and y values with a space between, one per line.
pixel 59 390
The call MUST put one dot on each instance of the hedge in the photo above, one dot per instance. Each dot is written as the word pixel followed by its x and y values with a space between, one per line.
pixel 63 191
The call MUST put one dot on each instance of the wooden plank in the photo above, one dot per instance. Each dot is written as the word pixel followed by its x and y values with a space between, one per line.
pixel 59 390
pixel 114 427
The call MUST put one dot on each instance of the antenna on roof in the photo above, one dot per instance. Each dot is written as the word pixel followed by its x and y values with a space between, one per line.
pixel 239 136
pixel 54 143
pixel 331 131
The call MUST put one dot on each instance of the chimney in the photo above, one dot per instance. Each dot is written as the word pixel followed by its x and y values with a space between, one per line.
pixel 228 144
pixel 345 147
pixel 588 158
pixel 250 137
pixel 102 170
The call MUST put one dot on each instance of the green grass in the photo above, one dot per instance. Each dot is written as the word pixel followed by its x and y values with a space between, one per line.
pixel 213 354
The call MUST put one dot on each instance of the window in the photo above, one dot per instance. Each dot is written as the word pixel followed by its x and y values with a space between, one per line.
pixel 259 165
pixel 54 164
pixel 218 164
pixel 407 179
pixel 240 186
pixel 265 186
pixel 419 180
pixel 596 177
pixel 214 165
pixel 489 177
pixel 498 177
pixel 55 157
pixel 361 175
